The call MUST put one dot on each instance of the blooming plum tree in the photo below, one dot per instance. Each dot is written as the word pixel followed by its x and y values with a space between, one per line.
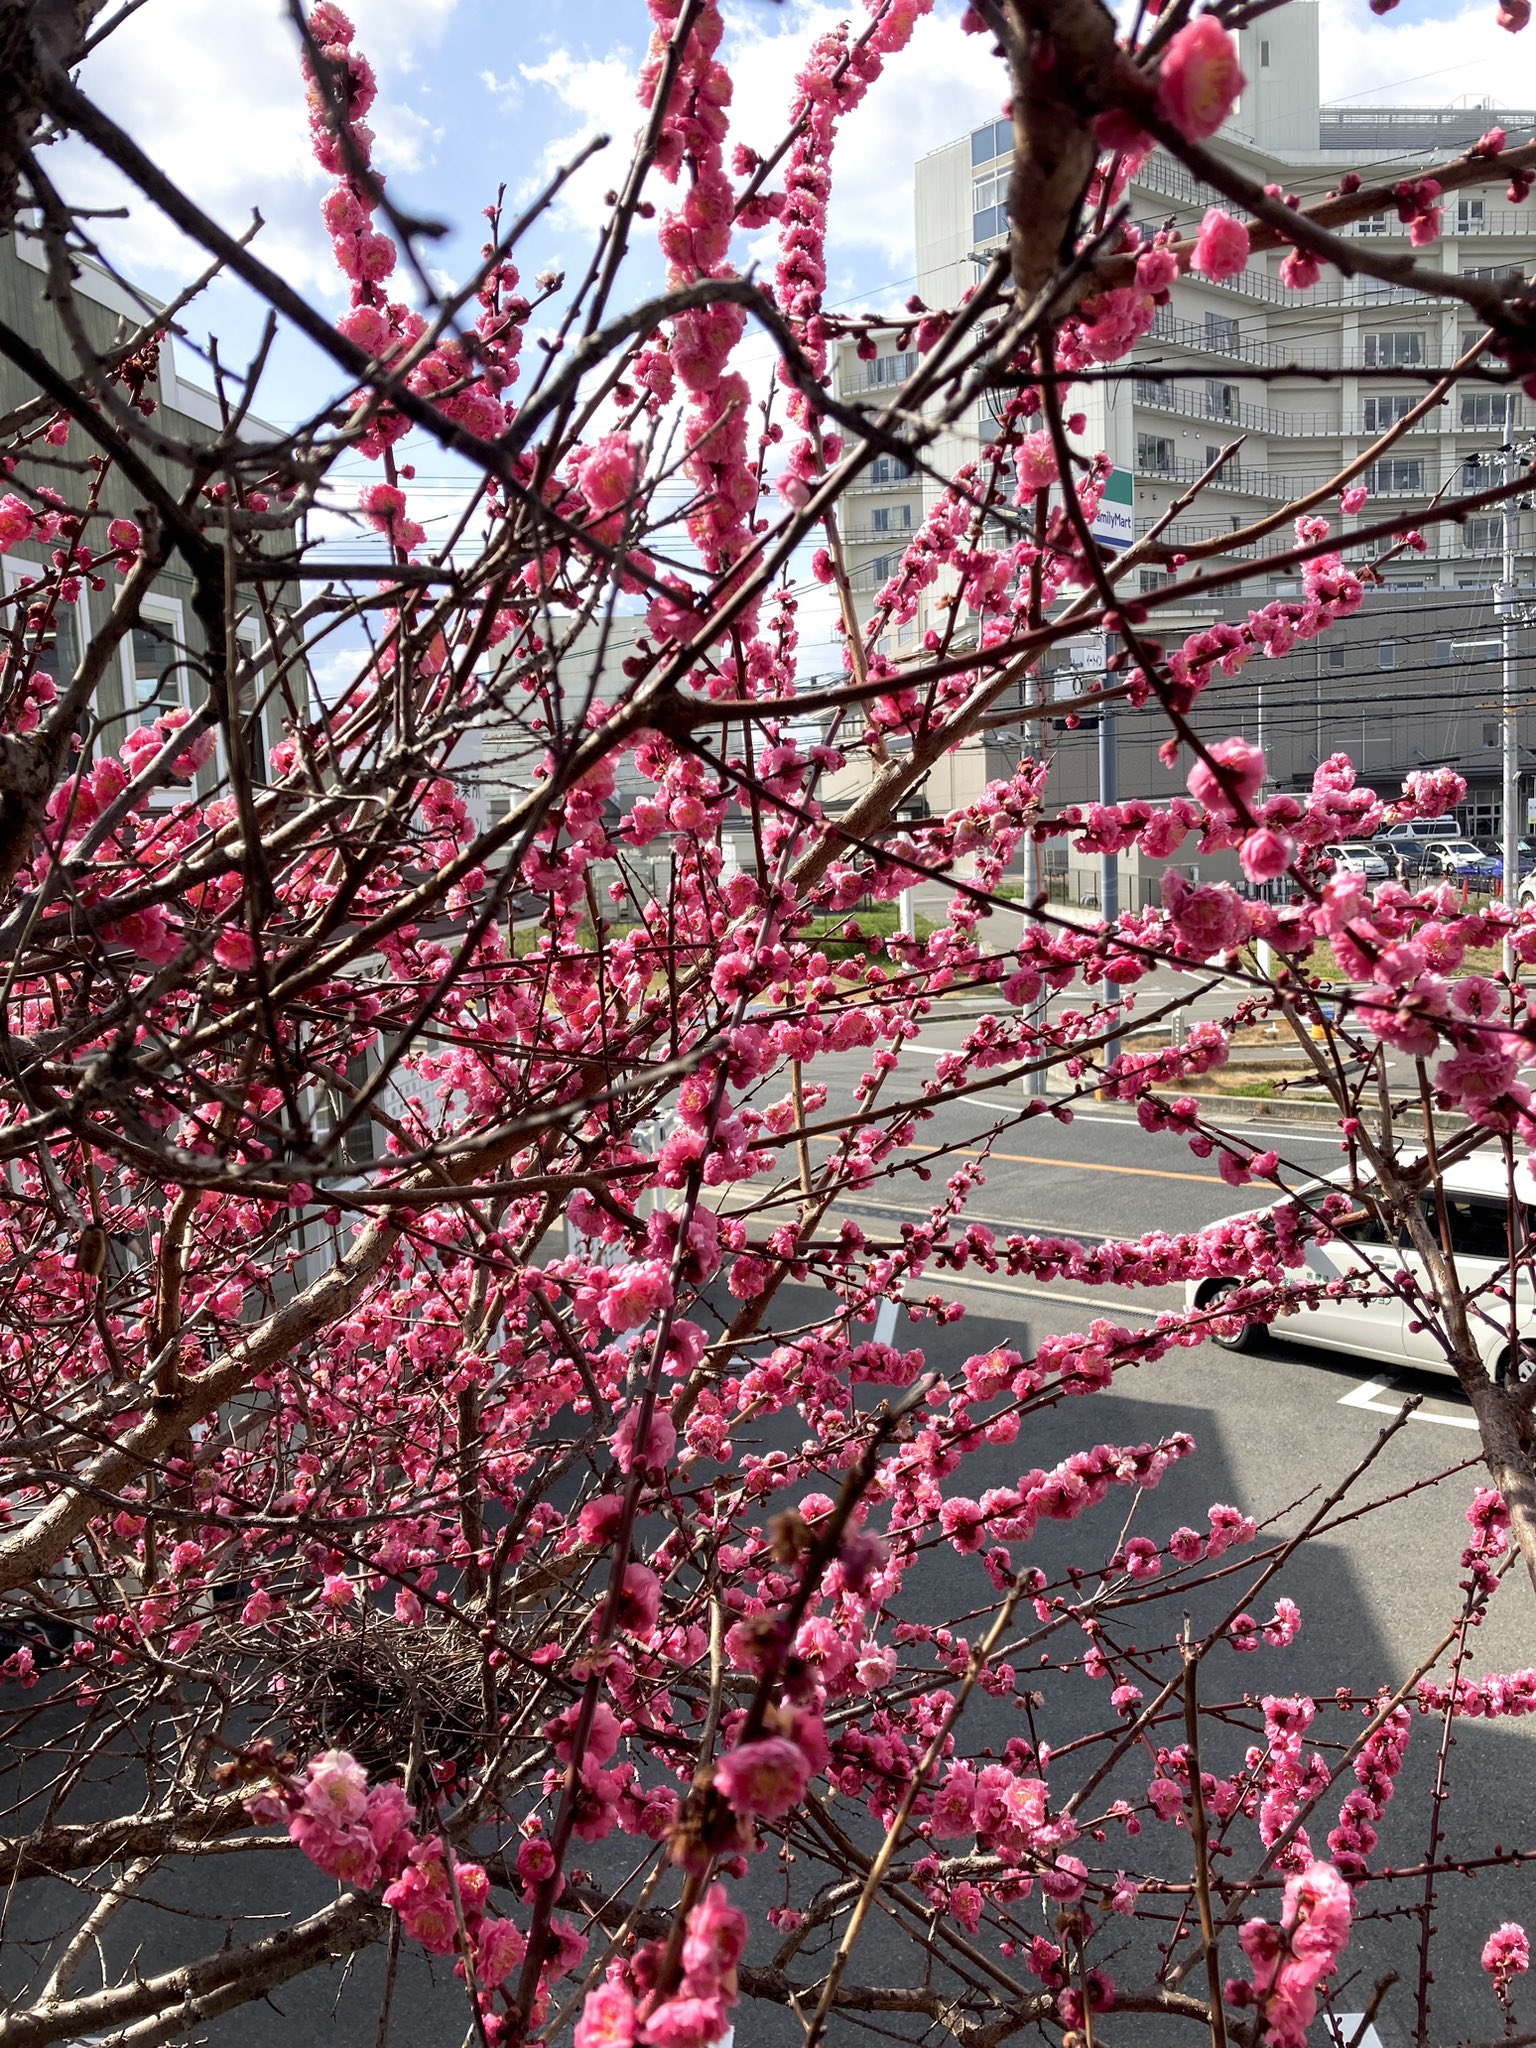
pixel 447 1449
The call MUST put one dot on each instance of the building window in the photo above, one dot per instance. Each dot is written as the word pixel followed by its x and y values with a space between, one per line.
pixel 989 207
pixel 1338 656
pixel 1393 348
pixel 1264 54
pixel 1386 654
pixel 995 140
pixel 59 654
pixel 1493 273
pixel 1384 411
pixel 1490 734
pixel 889 469
pixel 1489 409
pixel 892 518
pixel 1220 332
pixel 1469 216
pixel 1483 535
pixel 1397 473
pixel 890 369
pixel 154 674
pixel 1154 579
pixel 1154 453
pixel 259 718
pixel 1373 224
pixel 1220 400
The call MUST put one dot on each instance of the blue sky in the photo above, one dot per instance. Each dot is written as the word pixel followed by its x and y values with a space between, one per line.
pixel 476 93
pixel 480 92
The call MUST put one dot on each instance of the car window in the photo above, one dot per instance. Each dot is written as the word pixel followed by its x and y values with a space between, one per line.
pixel 1364 1226
pixel 1479 1226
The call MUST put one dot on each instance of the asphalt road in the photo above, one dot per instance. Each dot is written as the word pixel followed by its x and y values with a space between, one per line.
pixel 1275 1431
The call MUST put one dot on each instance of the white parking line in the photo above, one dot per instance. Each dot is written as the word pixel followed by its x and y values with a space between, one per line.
pixel 944 1283
pixel 1343 2026
pixel 1364 1396
pixel 1290 1132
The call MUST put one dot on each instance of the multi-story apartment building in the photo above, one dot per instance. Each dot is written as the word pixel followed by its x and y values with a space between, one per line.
pixel 1307 380
pixel 153 671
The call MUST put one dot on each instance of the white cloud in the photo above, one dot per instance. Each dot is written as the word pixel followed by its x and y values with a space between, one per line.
pixel 507 90
pixel 940 86
pixel 1433 61
pixel 601 92
pixel 395 32
pixel 212 88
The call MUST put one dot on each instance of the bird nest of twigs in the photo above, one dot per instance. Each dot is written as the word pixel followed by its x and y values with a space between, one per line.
pixel 376 1687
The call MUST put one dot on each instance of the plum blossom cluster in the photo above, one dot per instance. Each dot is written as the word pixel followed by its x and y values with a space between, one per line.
pixel 366 1837
pixel 1292 1962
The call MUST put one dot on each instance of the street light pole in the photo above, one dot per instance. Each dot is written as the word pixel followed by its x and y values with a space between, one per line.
pixel 1264 951
pixel 1505 611
pixel 1109 793
pixel 1035 1080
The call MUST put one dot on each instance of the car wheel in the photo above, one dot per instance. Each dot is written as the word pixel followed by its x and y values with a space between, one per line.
pixel 1501 1368
pixel 1247 1336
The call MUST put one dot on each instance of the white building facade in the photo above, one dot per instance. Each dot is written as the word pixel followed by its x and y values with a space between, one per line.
pixel 1308 380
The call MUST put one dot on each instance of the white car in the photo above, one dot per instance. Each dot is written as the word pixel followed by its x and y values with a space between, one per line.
pixel 1357 858
pixel 1484 1225
pixel 1424 828
pixel 1456 857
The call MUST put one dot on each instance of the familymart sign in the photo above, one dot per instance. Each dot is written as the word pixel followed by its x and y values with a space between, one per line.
pixel 1114 524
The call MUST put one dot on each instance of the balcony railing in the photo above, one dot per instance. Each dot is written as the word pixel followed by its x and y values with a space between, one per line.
pixel 1275 355
pixel 1444 544
pixel 1267 355
pixel 1316 426
pixel 1161 174
pixel 1264 483
pixel 863 536
pixel 1197 405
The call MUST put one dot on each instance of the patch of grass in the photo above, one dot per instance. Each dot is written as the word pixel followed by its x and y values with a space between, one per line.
pixel 1321 963
pixel 843 938
pixel 1261 1089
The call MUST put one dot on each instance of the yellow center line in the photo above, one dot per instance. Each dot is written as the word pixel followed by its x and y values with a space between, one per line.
pixel 1039 1159
pixel 1078 1165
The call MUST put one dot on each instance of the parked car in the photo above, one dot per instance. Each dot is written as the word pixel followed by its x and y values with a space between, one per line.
pixel 1405 858
pixel 1460 861
pixel 1424 828
pixel 1357 857
pixel 1482 1220
pixel 1494 849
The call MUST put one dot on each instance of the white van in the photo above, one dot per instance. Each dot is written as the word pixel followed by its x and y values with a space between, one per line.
pixel 1423 828
pixel 1485 1229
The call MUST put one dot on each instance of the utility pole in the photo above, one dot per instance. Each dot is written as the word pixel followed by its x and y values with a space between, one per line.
pixel 1109 793
pixel 1505 609
pixel 1264 951
pixel 1035 1079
